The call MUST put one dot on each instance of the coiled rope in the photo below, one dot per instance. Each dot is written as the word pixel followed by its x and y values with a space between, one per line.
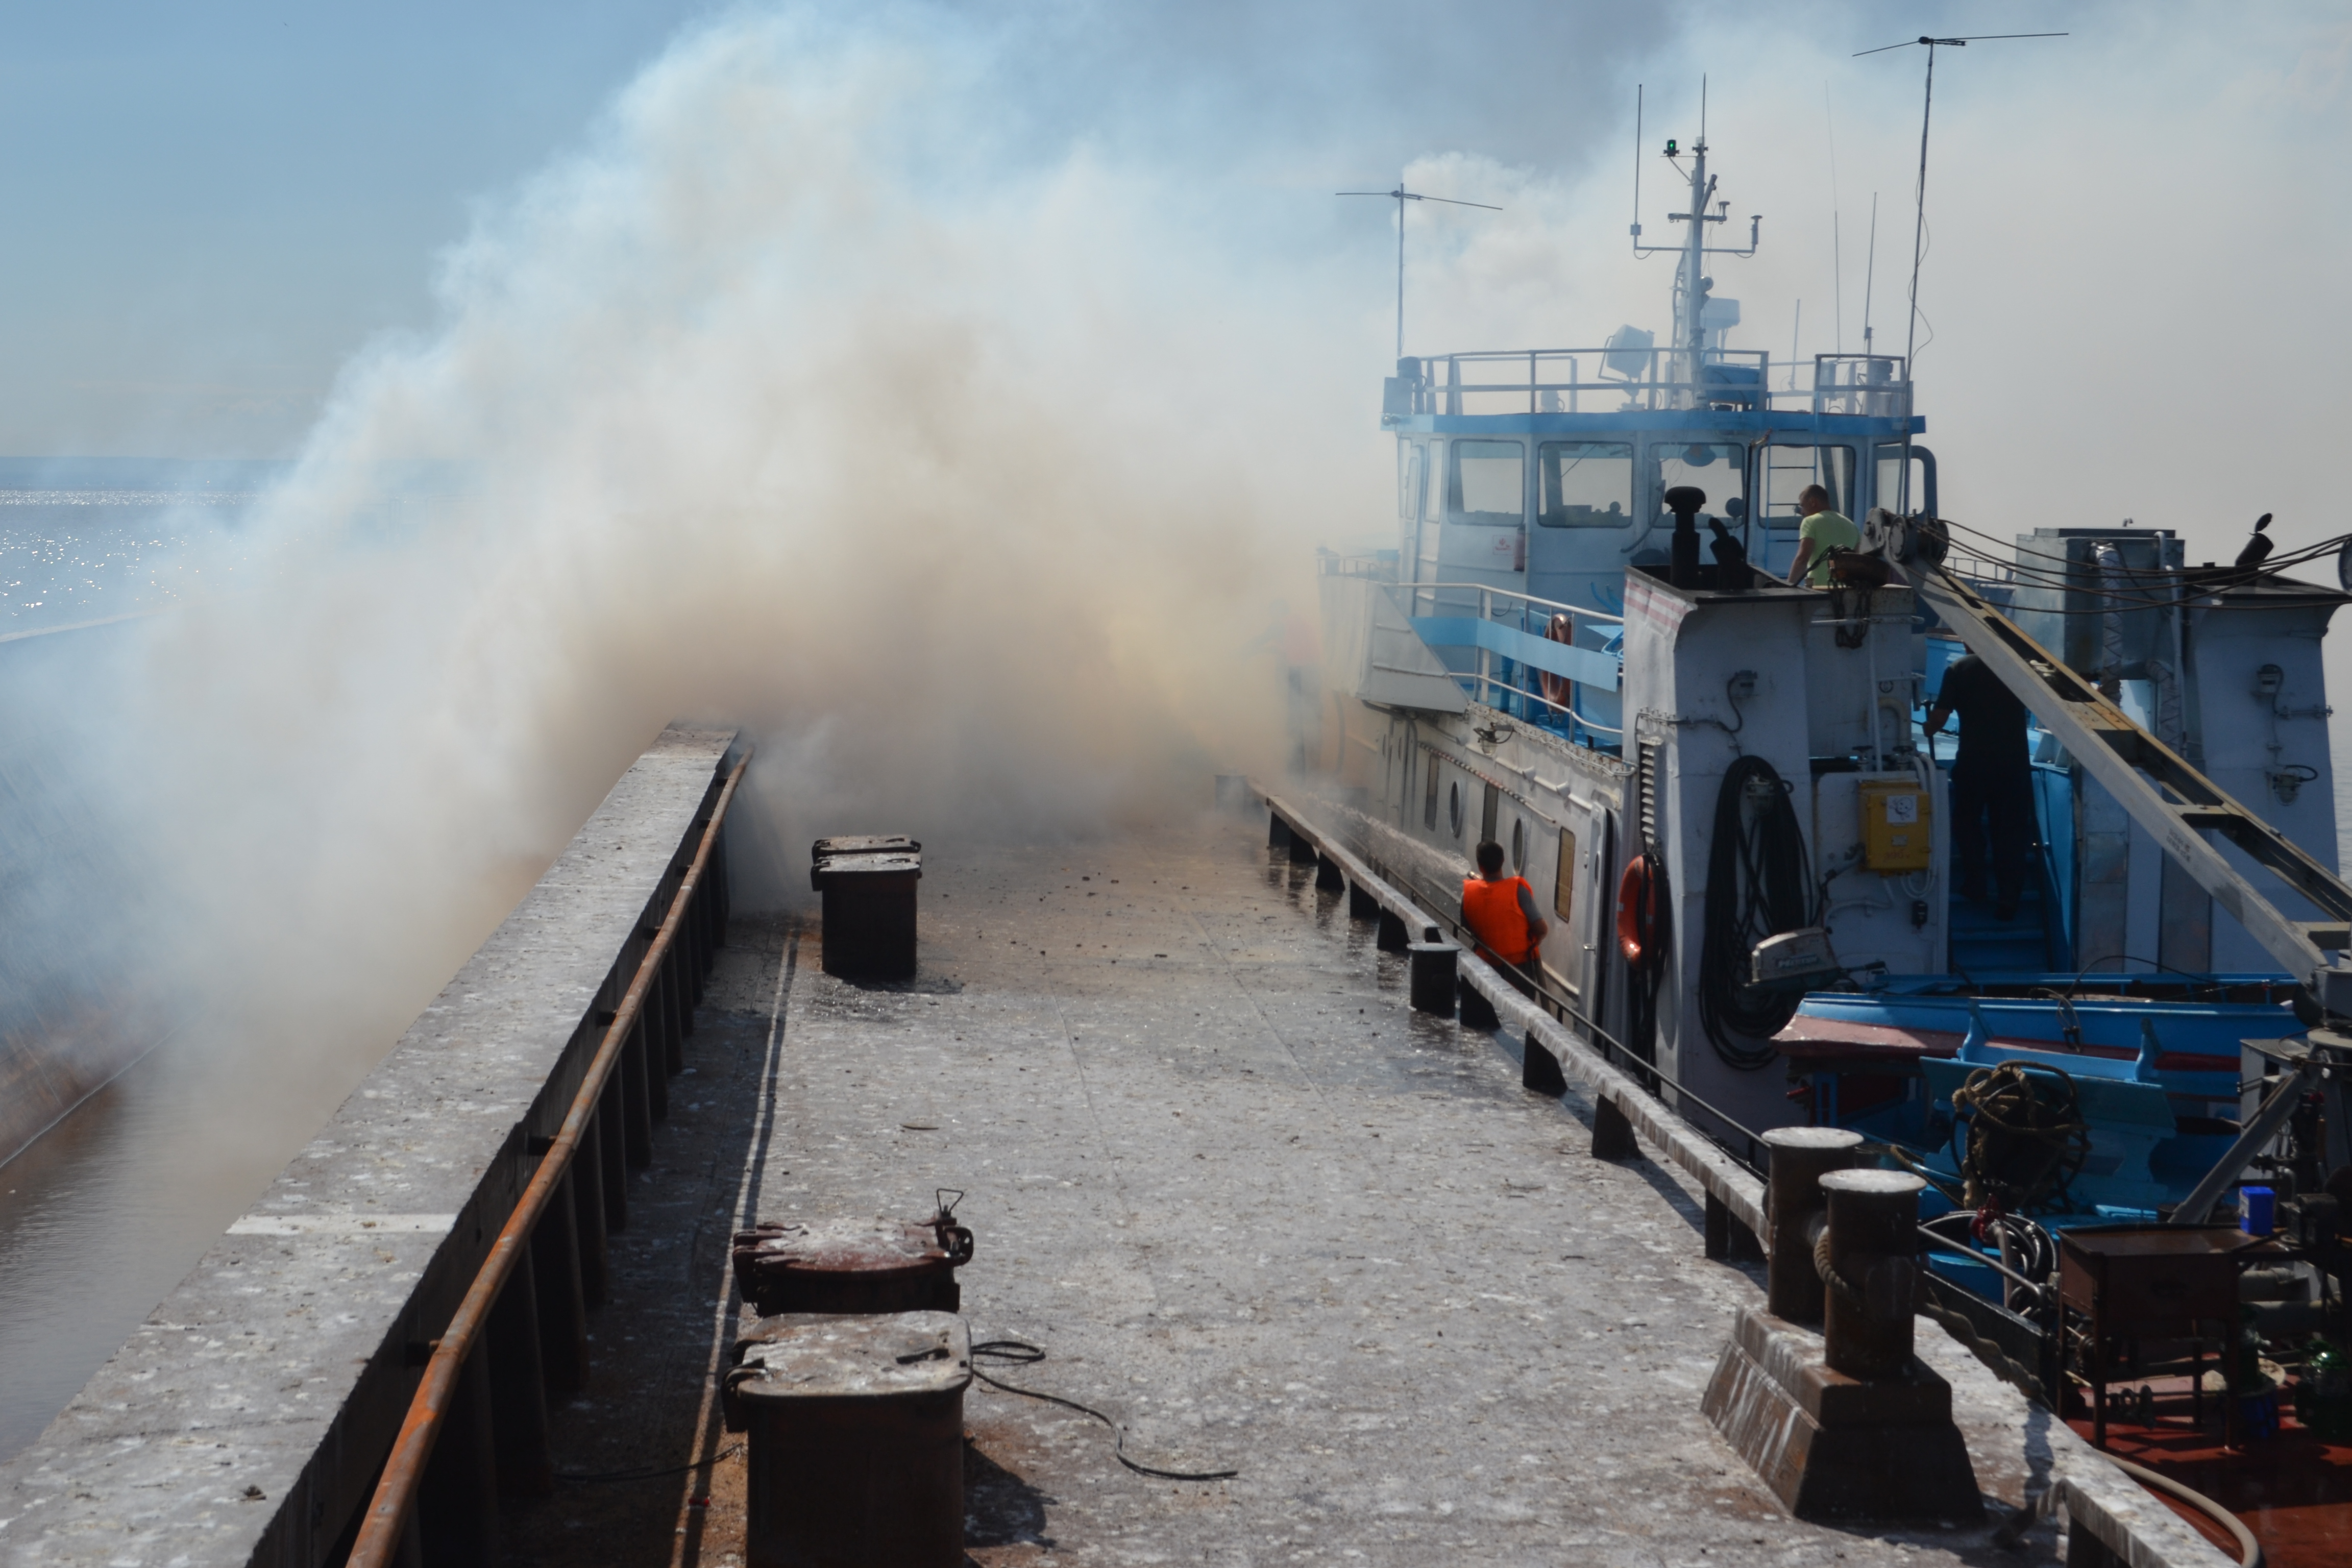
pixel 2025 1140
pixel 1757 886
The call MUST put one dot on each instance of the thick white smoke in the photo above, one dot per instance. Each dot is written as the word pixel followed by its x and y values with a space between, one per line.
pixel 839 390
pixel 968 498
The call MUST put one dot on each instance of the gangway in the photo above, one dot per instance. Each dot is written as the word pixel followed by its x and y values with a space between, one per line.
pixel 2177 805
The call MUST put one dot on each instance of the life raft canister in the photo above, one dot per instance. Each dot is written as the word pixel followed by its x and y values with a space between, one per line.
pixel 1640 914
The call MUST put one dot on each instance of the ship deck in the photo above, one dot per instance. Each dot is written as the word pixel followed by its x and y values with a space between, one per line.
pixel 1253 1208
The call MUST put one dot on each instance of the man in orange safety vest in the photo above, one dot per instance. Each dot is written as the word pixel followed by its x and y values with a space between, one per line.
pixel 1501 912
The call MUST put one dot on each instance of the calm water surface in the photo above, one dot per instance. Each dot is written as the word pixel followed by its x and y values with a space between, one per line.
pixel 100 1219
pixel 102 1216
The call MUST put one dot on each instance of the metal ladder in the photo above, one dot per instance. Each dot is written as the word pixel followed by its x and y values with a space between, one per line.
pixel 2178 806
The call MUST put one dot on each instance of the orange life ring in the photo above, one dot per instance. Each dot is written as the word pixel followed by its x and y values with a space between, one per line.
pixel 1639 896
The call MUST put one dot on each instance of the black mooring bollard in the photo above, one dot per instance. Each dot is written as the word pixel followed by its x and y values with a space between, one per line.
pixel 1431 980
pixel 1540 1071
pixel 1613 1132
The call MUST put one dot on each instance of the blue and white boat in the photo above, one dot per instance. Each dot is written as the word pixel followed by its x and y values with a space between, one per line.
pixel 1533 665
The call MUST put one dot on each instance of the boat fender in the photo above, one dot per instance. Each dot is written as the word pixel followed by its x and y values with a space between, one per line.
pixel 1640 912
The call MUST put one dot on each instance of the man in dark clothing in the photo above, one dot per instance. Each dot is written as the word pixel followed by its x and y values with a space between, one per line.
pixel 1992 779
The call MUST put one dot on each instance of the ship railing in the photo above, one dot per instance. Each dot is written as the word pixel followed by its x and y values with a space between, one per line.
pixel 1618 380
pixel 1519 639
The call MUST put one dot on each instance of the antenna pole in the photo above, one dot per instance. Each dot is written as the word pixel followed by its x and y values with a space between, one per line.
pixel 1919 223
pixel 1695 296
pixel 1400 354
pixel 1401 195
pixel 1637 168
pixel 1870 272
pixel 1837 240
pixel 1918 237
pixel 1796 330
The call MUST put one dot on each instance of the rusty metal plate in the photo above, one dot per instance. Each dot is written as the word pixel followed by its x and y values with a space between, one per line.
pixel 867 1356
pixel 852 1265
pixel 860 867
pixel 865 844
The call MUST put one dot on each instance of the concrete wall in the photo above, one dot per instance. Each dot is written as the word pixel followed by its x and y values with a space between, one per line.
pixel 246 1421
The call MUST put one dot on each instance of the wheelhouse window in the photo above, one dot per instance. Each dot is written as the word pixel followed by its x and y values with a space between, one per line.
pixel 1718 468
pixel 1786 471
pixel 1486 483
pixel 1890 479
pixel 1584 484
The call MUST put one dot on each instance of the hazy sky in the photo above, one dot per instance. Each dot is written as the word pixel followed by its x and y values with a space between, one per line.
pixel 211 209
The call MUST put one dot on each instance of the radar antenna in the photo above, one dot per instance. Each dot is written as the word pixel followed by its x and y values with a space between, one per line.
pixel 1401 195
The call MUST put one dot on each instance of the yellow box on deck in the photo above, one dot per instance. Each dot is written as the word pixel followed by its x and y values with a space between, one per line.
pixel 1899 827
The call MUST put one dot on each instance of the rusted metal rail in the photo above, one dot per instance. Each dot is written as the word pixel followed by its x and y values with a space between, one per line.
pixel 388 1512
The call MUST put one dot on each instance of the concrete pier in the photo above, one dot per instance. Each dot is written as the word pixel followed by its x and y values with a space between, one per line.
pixel 1254 1207
pixel 246 1420
pixel 1263 1214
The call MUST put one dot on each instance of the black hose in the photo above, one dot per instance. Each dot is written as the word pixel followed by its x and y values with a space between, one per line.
pixel 1757 886
pixel 1020 1352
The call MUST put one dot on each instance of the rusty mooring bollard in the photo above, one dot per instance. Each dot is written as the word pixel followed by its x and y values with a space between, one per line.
pixel 1869 1261
pixel 868 883
pixel 1846 1424
pixel 1795 1211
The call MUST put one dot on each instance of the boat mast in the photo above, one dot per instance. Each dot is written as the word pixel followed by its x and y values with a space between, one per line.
pixel 1690 282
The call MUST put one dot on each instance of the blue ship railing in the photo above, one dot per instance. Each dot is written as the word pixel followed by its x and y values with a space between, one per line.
pixel 1508 634
pixel 1617 378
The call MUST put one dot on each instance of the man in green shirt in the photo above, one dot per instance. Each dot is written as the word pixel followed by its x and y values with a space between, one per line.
pixel 1821 531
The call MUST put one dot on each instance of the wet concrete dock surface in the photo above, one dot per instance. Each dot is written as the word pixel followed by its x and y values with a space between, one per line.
pixel 1249 1203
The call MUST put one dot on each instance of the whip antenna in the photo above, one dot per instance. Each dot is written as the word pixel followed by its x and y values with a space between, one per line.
pixel 1919 219
pixel 1401 195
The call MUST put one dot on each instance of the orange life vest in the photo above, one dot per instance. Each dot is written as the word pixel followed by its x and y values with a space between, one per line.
pixel 1493 913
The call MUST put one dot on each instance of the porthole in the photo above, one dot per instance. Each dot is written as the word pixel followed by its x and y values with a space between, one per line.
pixel 1453 806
